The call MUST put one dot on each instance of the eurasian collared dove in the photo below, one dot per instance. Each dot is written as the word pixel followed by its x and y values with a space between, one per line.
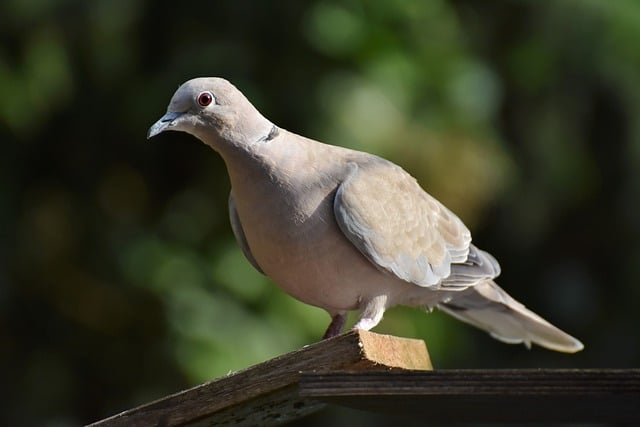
pixel 346 230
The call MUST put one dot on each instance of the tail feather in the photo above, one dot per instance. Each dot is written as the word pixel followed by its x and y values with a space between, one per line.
pixel 488 307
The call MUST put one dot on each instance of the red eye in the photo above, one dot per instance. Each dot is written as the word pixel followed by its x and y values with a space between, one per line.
pixel 205 98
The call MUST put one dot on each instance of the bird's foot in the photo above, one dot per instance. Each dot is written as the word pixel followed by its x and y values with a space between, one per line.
pixel 366 324
pixel 372 313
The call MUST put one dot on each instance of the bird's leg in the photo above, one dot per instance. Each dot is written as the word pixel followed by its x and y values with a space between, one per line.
pixel 335 327
pixel 372 313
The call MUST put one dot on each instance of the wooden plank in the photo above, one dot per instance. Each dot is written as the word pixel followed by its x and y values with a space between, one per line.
pixel 267 393
pixel 544 395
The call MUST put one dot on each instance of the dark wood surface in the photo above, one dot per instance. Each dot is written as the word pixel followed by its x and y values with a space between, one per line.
pixel 267 393
pixel 592 395
pixel 390 375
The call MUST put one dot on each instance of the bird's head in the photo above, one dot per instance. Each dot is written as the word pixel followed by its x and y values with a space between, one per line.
pixel 214 111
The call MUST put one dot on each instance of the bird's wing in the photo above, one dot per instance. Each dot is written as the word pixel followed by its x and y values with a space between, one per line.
pixel 383 211
pixel 488 307
pixel 238 232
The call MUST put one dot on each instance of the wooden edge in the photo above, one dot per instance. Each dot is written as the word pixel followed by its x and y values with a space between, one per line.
pixel 275 380
pixel 395 352
pixel 486 396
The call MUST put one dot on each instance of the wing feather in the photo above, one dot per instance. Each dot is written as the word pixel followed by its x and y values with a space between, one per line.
pixel 238 232
pixel 383 211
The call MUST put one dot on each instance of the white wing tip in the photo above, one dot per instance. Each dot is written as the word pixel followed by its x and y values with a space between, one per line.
pixel 570 345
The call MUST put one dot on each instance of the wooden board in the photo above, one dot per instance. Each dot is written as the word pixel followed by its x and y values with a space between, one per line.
pixel 483 396
pixel 267 393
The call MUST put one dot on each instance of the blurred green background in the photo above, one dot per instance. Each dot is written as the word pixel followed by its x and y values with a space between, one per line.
pixel 120 281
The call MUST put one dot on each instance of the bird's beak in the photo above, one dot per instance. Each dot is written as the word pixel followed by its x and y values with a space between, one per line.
pixel 163 124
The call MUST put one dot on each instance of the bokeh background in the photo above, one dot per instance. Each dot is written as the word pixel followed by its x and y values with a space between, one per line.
pixel 120 281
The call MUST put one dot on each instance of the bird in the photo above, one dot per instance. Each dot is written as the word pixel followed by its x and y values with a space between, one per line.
pixel 345 230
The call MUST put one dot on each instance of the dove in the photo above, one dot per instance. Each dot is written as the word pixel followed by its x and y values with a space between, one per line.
pixel 346 230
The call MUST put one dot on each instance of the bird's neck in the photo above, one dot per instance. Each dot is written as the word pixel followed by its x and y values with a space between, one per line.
pixel 239 136
pixel 270 159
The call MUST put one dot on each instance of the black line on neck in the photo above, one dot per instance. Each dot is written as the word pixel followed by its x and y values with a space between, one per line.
pixel 274 132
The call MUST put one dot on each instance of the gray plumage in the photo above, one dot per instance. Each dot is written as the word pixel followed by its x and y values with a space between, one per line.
pixel 346 230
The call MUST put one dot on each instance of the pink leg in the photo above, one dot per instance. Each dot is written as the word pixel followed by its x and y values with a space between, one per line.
pixel 335 327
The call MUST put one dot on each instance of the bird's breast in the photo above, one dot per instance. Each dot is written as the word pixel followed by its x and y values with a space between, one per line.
pixel 293 235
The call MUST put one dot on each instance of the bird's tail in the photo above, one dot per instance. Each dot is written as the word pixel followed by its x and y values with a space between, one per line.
pixel 488 307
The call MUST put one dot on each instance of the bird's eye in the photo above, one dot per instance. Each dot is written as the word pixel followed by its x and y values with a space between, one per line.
pixel 205 98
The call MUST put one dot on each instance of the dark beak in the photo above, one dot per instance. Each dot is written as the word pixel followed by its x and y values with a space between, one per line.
pixel 163 124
